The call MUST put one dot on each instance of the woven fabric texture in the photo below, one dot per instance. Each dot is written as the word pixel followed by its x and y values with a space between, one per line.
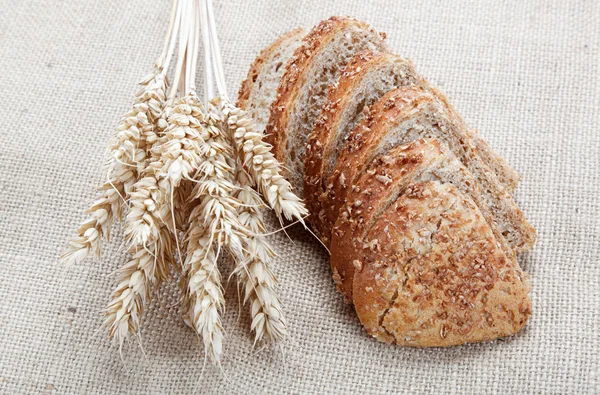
pixel 525 73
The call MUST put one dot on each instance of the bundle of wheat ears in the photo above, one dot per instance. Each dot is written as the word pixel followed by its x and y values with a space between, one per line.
pixel 186 175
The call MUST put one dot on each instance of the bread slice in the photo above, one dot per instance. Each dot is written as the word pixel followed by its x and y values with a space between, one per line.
pixel 366 78
pixel 259 89
pixel 313 69
pixel 385 179
pixel 431 274
pixel 406 114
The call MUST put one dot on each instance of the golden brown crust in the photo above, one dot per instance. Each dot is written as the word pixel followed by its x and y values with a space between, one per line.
pixel 385 177
pixel 257 66
pixel 436 162
pixel 431 275
pixel 295 74
pixel 361 144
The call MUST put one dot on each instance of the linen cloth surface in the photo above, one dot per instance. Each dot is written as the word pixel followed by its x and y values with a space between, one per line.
pixel 524 73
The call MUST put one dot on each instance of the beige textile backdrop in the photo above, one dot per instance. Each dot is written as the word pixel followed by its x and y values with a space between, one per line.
pixel 525 73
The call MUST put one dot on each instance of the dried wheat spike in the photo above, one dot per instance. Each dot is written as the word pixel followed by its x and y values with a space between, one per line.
pixel 182 143
pixel 136 132
pixel 213 224
pixel 124 311
pixel 149 210
pixel 146 212
pixel 107 207
pixel 262 166
pixel 151 240
pixel 254 270
pixel 203 300
pixel 129 150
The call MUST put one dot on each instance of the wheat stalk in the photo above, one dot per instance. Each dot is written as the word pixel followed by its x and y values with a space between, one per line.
pixel 178 167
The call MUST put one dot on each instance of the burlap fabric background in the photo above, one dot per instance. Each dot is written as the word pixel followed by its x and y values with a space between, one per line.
pixel 525 73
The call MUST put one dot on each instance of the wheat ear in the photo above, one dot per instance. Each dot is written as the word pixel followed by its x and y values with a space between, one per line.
pixel 148 239
pixel 255 275
pixel 261 164
pixel 183 139
pixel 203 299
pixel 213 224
pixel 129 152
pixel 123 314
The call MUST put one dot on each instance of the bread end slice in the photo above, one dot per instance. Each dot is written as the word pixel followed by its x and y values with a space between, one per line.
pixel 384 180
pixel 429 274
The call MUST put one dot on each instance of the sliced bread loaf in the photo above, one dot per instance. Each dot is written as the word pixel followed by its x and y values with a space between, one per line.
pixel 404 115
pixel 384 180
pixel 431 275
pixel 259 89
pixel 313 69
pixel 365 79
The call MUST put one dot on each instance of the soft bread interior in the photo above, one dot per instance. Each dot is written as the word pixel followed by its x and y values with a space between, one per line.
pixel 264 89
pixel 322 72
pixel 392 73
pixel 430 274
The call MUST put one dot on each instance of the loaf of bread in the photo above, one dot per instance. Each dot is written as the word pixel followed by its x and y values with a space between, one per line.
pixel 415 207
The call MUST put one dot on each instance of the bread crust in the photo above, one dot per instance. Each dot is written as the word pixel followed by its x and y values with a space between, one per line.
pixel 295 75
pixel 321 140
pixel 257 66
pixel 431 276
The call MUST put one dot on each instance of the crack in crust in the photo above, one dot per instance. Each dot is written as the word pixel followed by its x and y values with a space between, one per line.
pixel 393 300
